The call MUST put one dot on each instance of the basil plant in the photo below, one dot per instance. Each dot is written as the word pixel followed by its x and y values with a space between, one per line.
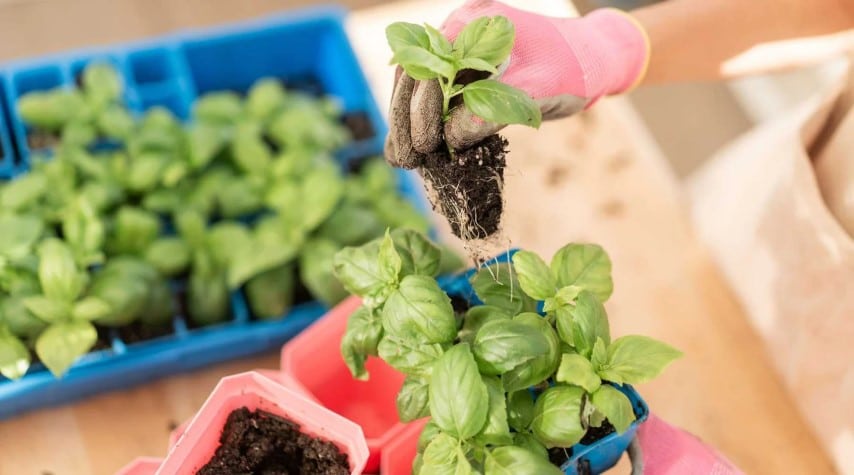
pixel 501 382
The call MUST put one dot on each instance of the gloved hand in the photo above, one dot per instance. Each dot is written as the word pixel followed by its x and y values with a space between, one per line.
pixel 666 450
pixel 565 64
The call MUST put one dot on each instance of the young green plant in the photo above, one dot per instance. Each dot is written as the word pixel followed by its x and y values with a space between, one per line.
pixel 502 384
pixel 483 45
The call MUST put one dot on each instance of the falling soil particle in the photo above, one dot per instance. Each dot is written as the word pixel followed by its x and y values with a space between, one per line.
pixel 171 424
pixel 258 442
pixel 468 189
pixel 557 175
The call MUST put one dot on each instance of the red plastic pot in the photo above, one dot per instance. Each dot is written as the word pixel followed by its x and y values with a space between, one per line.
pixel 273 374
pixel 399 454
pixel 141 466
pixel 256 391
pixel 313 361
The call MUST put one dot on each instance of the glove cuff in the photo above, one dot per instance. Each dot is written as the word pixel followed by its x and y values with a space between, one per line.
pixel 611 48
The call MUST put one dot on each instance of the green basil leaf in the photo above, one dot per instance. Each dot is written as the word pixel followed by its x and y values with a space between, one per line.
pixel 315 267
pixel 458 395
pixel 240 197
pixel 61 344
pixel 586 266
pixel 388 258
pixel 14 355
pixel 169 255
pixel 420 310
pixel 438 43
pixel 422 64
pixel 520 409
pixel 50 110
pixel 146 171
pixel 614 405
pixel 271 245
pixel 636 359
pixel 323 189
pixel 248 149
pixel 402 34
pixel 191 227
pixel 207 291
pixel 18 234
pixel 489 39
pixel 564 298
pixel 430 431
pixel 134 229
pixel 351 224
pixel 412 357
pixel 501 345
pixel 540 368
pixel 265 97
pixel 16 316
pixel 115 122
pixel 84 232
pixel 23 191
pixel 599 356
pixel 498 285
pixel 102 83
pixel 413 399
pixel 47 309
pixel 270 294
pixel 576 369
pixel 476 317
pixel 512 460
pixel 125 284
pixel 204 142
pixel 418 255
pixel 590 322
pixel 444 456
pixel 557 416
pixel 359 271
pixel 496 431
pixel 78 134
pixel 534 275
pixel 58 275
pixel 477 64
pixel 90 309
pixel 363 335
pixel 450 261
pixel 530 443
pixel 494 101
pixel 218 107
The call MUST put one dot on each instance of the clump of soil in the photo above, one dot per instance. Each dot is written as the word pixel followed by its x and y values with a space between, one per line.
pixel 467 188
pixel 41 140
pixel 137 332
pixel 559 455
pixel 258 442
pixel 359 125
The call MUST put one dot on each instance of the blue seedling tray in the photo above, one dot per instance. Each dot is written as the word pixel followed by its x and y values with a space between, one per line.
pixel 307 49
pixel 605 452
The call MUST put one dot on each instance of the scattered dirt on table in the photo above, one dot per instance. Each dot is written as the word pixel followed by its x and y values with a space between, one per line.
pixel 468 188
pixel 612 208
pixel 557 175
pixel 258 442
pixel 171 424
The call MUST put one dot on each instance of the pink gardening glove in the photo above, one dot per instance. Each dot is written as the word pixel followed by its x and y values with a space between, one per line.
pixel 565 64
pixel 667 450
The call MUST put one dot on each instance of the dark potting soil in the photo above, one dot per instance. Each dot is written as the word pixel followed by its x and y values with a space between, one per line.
pixel 595 433
pixel 40 140
pixel 468 188
pixel 258 442
pixel 359 125
pixel 137 332
pixel 459 304
pixel 559 455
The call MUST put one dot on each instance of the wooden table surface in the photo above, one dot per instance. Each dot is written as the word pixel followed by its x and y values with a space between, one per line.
pixel 597 177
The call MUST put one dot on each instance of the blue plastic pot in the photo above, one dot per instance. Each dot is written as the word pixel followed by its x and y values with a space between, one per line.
pixel 605 452
pixel 308 48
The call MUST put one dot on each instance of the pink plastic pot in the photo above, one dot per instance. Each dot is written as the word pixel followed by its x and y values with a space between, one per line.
pixel 256 391
pixel 313 360
pixel 141 466
pixel 399 454
pixel 273 374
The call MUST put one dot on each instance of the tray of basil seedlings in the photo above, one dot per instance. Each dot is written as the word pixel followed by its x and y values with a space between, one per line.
pixel 142 246
pixel 513 362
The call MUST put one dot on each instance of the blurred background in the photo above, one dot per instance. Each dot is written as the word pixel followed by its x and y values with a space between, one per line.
pixel 689 121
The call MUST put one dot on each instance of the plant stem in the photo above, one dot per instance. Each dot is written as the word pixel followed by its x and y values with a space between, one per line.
pixel 447 87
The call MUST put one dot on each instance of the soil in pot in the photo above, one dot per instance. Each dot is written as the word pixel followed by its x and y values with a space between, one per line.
pixel 137 332
pixel 41 140
pixel 258 442
pixel 358 124
pixel 468 188
pixel 559 455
